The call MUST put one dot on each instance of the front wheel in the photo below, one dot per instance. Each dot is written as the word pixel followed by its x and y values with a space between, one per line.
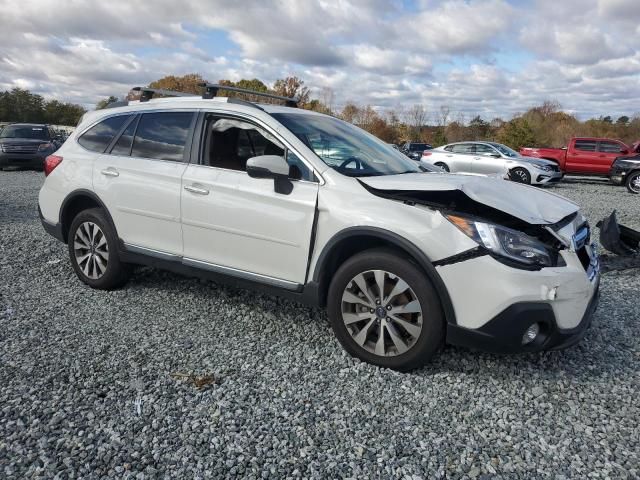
pixel 443 166
pixel 633 182
pixel 93 251
pixel 520 175
pixel 385 311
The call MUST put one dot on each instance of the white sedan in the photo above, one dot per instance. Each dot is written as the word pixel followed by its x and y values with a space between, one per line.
pixel 490 158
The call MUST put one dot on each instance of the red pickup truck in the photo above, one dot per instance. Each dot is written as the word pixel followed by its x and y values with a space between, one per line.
pixel 587 156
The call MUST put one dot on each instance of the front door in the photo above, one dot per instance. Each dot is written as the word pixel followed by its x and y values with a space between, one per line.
pixel 487 160
pixel 237 224
pixel 139 180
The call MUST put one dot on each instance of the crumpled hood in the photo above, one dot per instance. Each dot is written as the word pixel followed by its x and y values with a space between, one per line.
pixel 536 161
pixel 526 203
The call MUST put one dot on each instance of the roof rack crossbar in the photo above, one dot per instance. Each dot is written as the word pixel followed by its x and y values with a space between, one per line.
pixel 147 94
pixel 211 90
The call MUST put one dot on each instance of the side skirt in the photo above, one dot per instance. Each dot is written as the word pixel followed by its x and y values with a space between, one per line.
pixel 306 294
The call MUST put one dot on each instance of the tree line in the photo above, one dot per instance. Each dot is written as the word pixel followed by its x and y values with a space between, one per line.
pixel 545 125
pixel 19 105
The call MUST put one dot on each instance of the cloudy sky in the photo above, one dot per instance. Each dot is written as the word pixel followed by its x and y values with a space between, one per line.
pixel 487 57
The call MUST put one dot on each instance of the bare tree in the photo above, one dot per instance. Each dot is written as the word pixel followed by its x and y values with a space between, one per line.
pixel 416 118
pixel 443 117
pixel 327 97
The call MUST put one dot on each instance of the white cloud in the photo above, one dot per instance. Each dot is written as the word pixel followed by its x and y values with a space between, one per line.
pixel 583 53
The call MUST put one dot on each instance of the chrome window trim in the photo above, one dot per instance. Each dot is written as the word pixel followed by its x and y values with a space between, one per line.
pixel 195 110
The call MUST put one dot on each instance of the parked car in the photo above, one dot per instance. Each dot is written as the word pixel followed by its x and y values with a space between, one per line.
pixel 27 145
pixel 626 171
pixel 310 207
pixel 585 156
pixel 414 150
pixel 490 158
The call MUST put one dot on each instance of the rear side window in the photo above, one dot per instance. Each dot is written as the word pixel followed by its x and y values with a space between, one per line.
pixel 586 145
pixel 162 136
pixel 610 147
pixel 462 148
pixel 98 137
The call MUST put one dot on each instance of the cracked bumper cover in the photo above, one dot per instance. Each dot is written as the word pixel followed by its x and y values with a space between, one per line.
pixel 504 302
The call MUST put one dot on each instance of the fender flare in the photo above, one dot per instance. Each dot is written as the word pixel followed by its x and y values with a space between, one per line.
pixel 403 244
pixel 82 192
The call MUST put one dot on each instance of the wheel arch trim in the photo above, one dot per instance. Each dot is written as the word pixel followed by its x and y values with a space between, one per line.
pixel 397 241
pixel 75 195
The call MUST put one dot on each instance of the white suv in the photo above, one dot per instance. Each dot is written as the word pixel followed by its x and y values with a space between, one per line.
pixel 310 207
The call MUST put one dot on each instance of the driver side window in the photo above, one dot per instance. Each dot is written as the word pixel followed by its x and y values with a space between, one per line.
pixel 230 142
pixel 482 149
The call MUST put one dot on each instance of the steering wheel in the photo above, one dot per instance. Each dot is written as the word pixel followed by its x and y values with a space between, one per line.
pixel 350 160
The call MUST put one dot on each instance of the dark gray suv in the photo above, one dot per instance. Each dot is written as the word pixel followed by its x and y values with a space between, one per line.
pixel 27 145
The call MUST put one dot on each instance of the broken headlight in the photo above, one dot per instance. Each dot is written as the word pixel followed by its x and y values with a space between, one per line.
pixel 504 242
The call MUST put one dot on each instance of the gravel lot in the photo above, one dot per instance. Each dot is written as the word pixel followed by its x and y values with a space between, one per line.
pixel 91 381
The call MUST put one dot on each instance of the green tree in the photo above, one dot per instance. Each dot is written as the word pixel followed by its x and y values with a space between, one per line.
pixel 440 138
pixel 106 101
pixel 623 120
pixel 517 133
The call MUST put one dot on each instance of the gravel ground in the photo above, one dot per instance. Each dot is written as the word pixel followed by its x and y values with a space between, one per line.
pixel 97 384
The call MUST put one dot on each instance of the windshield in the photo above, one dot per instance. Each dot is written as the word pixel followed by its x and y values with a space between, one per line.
pixel 347 148
pixel 24 131
pixel 506 150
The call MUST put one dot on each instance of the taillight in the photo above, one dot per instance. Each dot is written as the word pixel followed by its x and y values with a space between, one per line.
pixel 426 153
pixel 50 163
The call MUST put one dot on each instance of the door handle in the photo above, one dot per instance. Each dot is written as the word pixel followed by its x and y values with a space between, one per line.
pixel 197 190
pixel 110 172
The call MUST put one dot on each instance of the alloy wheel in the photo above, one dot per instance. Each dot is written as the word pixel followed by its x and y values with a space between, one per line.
pixel 635 184
pixel 91 250
pixel 521 175
pixel 382 313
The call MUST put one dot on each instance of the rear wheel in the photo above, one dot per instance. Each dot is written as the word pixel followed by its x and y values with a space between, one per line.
pixel 520 175
pixel 93 251
pixel 385 311
pixel 443 166
pixel 633 182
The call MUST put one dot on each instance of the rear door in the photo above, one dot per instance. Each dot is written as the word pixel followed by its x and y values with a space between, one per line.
pixel 583 157
pixel 608 150
pixel 139 179
pixel 239 225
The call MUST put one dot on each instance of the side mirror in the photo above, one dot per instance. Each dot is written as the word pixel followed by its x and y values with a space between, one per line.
pixel 624 151
pixel 271 166
pixel 495 155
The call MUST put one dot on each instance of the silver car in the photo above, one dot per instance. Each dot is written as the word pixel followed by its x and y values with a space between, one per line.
pixel 490 158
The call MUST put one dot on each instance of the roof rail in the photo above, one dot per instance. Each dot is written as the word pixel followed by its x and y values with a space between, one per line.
pixel 211 90
pixel 147 93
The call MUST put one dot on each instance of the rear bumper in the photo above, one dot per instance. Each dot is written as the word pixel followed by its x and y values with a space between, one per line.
pixel 53 229
pixel 504 333
pixel 31 160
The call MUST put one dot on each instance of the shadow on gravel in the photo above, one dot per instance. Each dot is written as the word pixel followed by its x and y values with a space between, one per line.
pixel 606 350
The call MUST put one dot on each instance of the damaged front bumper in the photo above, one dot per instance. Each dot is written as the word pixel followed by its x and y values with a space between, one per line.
pixel 495 315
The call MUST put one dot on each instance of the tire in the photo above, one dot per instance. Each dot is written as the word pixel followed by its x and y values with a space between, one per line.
pixel 520 175
pixel 443 166
pixel 93 250
pixel 633 182
pixel 418 336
